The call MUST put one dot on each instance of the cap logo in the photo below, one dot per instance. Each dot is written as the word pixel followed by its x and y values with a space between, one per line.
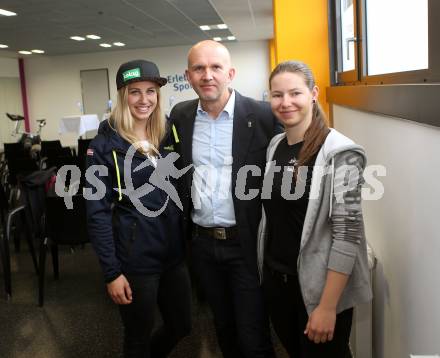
pixel 133 73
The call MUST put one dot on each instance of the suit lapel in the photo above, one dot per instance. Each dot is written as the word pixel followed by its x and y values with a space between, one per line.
pixel 243 131
pixel 186 131
pixel 186 134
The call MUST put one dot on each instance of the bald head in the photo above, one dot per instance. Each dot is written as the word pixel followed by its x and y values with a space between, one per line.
pixel 209 47
pixel 210 72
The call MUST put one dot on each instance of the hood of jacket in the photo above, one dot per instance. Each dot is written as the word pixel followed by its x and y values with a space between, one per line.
pixel 112 139
pixel 335 143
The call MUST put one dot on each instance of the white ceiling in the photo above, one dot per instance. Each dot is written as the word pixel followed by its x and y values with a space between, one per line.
pixel 48 24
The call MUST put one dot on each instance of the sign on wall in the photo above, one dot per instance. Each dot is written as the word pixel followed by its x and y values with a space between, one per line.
pixel 179 82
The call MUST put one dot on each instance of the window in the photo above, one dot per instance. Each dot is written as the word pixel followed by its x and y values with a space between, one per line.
pixel 385 41
pixel 395 69
pixel 346 38
pixel 348 35
pixel 399 42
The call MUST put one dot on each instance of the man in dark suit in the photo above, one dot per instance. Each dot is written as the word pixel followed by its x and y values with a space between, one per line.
pixel 219 134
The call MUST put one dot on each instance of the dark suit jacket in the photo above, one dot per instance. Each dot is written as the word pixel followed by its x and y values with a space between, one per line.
pixel 253 128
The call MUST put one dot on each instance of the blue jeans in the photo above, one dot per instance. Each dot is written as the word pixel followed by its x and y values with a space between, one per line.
pixel 170 290
pixel 234 295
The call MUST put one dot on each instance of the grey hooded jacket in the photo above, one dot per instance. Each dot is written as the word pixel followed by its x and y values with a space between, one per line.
pixel 333 233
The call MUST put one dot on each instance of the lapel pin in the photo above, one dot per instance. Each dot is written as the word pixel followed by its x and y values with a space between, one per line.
pixel 249 124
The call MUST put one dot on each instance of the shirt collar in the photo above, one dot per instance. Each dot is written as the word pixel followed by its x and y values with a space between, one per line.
pixel 229 107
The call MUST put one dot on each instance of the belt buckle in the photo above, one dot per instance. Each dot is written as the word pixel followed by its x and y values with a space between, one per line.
pixel 220 233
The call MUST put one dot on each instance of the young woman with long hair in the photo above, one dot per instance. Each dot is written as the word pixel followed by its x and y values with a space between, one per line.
pixel 134 228
pixel 312 248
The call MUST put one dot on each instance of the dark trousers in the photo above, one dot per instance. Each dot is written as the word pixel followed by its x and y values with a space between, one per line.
pixel 170 291
pixel 234 295
pixel 289 319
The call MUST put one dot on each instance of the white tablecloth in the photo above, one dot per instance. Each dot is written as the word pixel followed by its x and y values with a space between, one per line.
pixel 79 124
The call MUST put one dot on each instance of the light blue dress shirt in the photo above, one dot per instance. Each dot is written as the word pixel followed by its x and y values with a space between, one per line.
pixel 212 158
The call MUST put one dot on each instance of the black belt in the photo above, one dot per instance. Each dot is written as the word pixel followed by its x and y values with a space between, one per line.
pixel 219 233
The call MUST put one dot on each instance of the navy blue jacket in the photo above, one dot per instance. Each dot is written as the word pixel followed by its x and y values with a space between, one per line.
pixel 125 240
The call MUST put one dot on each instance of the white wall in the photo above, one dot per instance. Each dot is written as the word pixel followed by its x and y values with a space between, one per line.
pixel 8 67
pixel 404 230
pixel 10 97
pixel 54 88
pixel 10 102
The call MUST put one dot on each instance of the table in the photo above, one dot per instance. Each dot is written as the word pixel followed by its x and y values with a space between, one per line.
pixel 79 124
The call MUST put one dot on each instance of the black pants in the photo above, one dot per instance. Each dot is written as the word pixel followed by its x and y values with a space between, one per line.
pixel 235 297
pixel 171 292
pixel 289 319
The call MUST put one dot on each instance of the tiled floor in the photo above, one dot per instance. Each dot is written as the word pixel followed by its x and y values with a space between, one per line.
pixel 78 319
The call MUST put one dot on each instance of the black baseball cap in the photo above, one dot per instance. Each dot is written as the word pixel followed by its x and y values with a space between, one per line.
pixel 136 71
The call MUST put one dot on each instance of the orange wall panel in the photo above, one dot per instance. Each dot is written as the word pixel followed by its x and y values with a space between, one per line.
pixel 301 33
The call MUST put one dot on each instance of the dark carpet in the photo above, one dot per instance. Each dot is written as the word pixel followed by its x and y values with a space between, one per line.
pixel 78 319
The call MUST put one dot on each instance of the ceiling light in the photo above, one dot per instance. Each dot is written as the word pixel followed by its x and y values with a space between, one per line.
pixel 105 45
pixel 25 52
pixel 93 37
pixel 3 46
pixel 205 27
pixel 231 38
pixel 37 51
pixel 217 38
pixel 222 26
pixel 118 44
pixel 7 13
pixel 77 38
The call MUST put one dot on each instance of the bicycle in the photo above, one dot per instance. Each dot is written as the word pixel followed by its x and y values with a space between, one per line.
pixel 31 141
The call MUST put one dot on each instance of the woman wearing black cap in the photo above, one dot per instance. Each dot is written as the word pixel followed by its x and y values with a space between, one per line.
pixel 134 227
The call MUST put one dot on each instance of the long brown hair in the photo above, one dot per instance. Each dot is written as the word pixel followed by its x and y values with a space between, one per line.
pixel 318 130
pixel 122 121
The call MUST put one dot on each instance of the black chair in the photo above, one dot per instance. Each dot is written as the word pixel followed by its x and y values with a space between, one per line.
pixel 6 266
pixel 20 167
pixel 83 145
pixel 18 163
pixel 54 154
pixel 50 147
pixel 62 227
pixel 3 169
pixel 59 161
pixel 14 150
pixel 7 216
pixel 18 160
